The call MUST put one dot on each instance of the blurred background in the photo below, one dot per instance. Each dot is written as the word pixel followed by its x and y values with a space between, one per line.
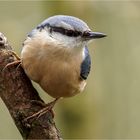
pixel 109 106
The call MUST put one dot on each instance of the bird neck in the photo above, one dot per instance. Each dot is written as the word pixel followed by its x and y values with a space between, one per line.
pixel 66 53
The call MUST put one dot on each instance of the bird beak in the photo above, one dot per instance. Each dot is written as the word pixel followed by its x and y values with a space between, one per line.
pixel 96 35
pixel 93 35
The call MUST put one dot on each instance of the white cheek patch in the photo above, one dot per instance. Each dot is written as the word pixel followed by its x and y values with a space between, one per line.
pixel 64 40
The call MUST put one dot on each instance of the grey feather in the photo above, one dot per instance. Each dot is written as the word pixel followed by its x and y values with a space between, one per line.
pixel 56 21
pixel 86 64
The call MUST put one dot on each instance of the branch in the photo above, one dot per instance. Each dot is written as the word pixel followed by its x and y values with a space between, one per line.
pixel 17 92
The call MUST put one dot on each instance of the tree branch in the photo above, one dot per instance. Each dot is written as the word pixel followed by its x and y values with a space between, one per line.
pixel 17 92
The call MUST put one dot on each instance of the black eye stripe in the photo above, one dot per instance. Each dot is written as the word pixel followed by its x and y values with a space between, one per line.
pixel 61 30
pixel 67 32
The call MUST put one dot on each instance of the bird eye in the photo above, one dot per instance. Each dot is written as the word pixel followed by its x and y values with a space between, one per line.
pixel 69 33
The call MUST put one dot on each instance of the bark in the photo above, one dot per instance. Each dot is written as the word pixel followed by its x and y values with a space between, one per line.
pixel 21 98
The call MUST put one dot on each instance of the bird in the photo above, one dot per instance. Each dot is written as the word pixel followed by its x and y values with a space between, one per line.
pixel 55 55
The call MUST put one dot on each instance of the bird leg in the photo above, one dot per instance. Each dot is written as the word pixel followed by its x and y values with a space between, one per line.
pixel 48 107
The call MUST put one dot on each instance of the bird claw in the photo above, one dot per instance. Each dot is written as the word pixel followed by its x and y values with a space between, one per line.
pixel 48 107
pixel 14 54
pixel 16 62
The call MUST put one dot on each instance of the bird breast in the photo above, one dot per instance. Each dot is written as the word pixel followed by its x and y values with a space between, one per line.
pixel 55 68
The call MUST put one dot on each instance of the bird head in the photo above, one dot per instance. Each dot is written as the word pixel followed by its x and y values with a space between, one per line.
pixel 67 31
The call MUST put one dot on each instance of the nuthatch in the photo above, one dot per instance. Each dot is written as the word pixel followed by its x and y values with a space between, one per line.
pixel 55 55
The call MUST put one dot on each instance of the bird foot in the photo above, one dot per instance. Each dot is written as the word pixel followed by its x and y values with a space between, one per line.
pixel 14 54
pixel 16 62
pixel 48 107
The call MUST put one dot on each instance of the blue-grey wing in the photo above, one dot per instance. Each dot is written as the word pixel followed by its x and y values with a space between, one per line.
pixel 86 64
